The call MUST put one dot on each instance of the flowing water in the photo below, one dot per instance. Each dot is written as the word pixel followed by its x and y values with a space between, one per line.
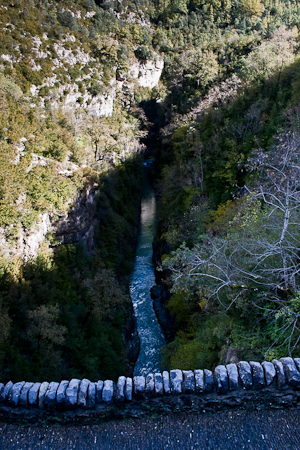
pixel 141 281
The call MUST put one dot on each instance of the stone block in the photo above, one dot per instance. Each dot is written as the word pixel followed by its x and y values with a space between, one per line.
pixel 208 380
pixel 99 389
pixel 176 378
pixel 221 379
pixel 72 394
pixel 233 377
pixel 108 391
pixel 149 389
pixel 199 380
pixel 128 389
pixel 24 393
pixel 139 385
pixel 166 382
pixel 6 391
pixel 14 393
pixel 158 384
pixel 280 375
pixel 82 393
pixel 245 374
pixel 91 396
pixel 188 385
pixel 270 372
pixel 61 394
pixel 120 394
pixel 257 375
pixel 291 372
pixel 33 394
pixel 50 397
pixel 42 393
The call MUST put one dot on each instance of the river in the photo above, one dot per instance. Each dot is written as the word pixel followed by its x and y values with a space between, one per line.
pixel 141 280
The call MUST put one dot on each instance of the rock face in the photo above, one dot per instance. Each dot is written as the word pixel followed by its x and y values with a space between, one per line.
pixel 160 296
pixel 147 73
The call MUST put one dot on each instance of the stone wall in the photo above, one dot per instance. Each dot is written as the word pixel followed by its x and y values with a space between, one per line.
pixel 274 383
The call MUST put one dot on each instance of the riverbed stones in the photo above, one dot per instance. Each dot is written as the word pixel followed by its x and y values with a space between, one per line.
pixel 208 380
pixel 158 384
pixel 99 389
pixel 149 389
pixel 257 375
pixel 128 389
pixel 72 393
pixel 108 391
pixel 176 378
pixel 139 385
pixel 91 396
pixel 82 393
pixel 50 397
pixel 120 394
pixel 33 394
pixel 233 377
pixel 60 394
pixel 199 380
pixel 188 385
pixel 24 393
pixel 270 372
pixel 280 375
pixel 291 372
pixel 221 378
pixel 245 374
pixel 6 391
pixel 166 382
pixel 14 393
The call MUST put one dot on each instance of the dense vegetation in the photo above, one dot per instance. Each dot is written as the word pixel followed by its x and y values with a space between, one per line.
pixel 228 97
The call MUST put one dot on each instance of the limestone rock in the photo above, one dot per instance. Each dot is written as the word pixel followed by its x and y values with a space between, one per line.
pixel 99 389
pixel 72 393
pixel 5 392
pixel 82 393
pixel 139 385
pixel 14 393
pixel 233 377
pixel 50 397
pixel 24 394
pixel 166 382
pixel 208 380
pixel 257 374
pixel 245 374
pixel 291 372
pixel 270 372
pixel 188 385
pixel 128 389
pixel 33 394
pixel 158 384
pixel 61 393
pixel 199 380
pixel 176 377
pixel 108 391
pixel 91 396
pixel 120 395
pixel 280 375
pixel 221 378
pixel 149 389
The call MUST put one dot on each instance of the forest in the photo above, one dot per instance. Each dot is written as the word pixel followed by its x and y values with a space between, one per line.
pixel 222 130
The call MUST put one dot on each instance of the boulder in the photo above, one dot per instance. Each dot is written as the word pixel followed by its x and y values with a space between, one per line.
pixel 158 384
pixel 1 388
pixel 270 372
pixel 50 397
pixel 208 380
pixel 120 395
pixel 245 374
pixel 297 362
pixel 82 393
pixel 128 389
pixel 14 393
pixel 188 385
pixel 257 375
pixel 42 393
pixel 291 372
pixel 99 389
pixel 233 377
pixel 280 375
pixel 71 394
pixel 33 394
pixel 149 389
pixel 166 382
pixel 139 385
pixel 6 391
pixel 108 391
pixel 176 377
pixel 24 393
pixel 199 380
pixel 91 396
pixel 221 378
pixel 61 393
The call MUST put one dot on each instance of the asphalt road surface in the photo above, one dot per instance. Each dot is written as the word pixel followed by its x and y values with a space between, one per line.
pixel 253 430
